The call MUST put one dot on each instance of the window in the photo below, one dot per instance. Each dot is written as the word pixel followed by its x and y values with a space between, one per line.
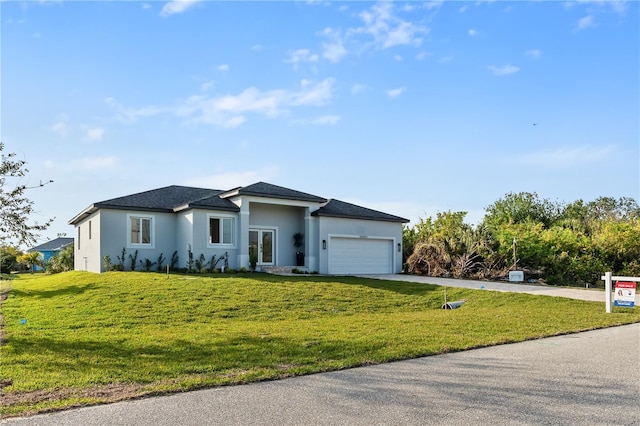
pixel 89 229
pixel 221 230
pixel 78 237
pixel 140 230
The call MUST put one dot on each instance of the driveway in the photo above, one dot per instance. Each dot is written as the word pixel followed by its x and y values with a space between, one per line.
pixel 594 295
pixel 589 378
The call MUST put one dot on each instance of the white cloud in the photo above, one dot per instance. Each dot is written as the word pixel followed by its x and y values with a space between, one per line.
pixel 565 157
pixel 387 29
pixel 232 179
pixel 422 55
pixel 584 23
pixel 534 53
pixel 382 29
pixel 177 6
pixel 358 88
pixel 504 70
pixel 49 164
pixel 463 9
pixel 223 67
pixel 94 163
pixel 325 120
pixel 617 6
pixel 398 58
pixel 60 128
pixel 256 47
pixel 301 56
pixel 206 86
pixel 130 115
pixel 394 93
pixel 95 133
pixel 230 111
pixel 445 59
pixel 333 49
pixel 472 32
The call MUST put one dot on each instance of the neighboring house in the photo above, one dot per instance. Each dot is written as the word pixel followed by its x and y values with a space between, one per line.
pixel 339 238
pixel 51 248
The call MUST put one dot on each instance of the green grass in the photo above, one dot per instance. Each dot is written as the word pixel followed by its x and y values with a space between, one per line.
pixel 97 338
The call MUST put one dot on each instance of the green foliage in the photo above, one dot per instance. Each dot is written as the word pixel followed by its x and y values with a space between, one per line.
pixel 521 208
pixel 31 260
pixel 62 261
pixel 160 261
pixel 571 244
pixel 190 261
pixel 147 265
pixel 8 258
pixel 15 207
pixel 133 259
pixel 174 260
pixel 121 259
pixel 106 263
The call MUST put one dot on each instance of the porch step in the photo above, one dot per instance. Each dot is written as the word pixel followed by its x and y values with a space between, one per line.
pixel 282 270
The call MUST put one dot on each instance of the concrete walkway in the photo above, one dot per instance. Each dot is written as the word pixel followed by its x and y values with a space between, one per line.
pixel 593 295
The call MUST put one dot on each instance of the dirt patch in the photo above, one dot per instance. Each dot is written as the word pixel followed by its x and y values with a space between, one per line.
pixel 103 393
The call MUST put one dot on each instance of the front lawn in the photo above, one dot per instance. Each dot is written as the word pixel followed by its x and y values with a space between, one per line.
pixel 81 338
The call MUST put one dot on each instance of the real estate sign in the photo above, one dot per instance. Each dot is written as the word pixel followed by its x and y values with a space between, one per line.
pixel 624 294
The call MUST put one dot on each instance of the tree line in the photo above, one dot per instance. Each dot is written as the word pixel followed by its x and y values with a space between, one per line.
pixel 557 243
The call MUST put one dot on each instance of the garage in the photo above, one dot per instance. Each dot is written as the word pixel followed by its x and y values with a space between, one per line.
pixel 360 256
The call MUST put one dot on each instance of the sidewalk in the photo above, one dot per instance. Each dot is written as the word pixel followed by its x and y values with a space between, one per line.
pixel 593 295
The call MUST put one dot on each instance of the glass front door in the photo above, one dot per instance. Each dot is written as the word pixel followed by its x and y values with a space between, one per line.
pixel 261 241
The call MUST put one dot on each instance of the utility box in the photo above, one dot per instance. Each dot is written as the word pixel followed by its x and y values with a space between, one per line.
pixel 516 276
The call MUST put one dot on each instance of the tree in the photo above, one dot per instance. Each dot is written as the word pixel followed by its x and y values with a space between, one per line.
pixel 15 207
pixel 62 261
pixel 8 258
pixel 32 259
pixel 521 208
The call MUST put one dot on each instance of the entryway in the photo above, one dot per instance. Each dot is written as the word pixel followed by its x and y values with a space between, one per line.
pixel 263 242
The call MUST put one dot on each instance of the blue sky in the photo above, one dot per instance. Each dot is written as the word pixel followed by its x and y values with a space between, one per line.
pixel 406 107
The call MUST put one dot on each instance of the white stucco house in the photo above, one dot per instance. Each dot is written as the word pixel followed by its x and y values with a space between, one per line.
pixel 339 238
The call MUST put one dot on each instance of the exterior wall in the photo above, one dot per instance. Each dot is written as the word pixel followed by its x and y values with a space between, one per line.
pixel 184 237
pixel 87 255
pixel 286 221
pixel 200 241
pixel 331 226
pixel 114 238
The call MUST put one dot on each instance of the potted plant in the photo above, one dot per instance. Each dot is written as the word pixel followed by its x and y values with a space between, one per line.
pixel 298 242
pixel 253 257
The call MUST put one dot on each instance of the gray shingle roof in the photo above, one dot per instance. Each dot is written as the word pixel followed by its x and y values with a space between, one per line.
pixel 175 198
pixel 53 245
pixel 263 189
pixel 166 198
pixel 337 208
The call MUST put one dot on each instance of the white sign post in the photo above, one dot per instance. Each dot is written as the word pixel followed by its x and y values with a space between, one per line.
pixel 625 291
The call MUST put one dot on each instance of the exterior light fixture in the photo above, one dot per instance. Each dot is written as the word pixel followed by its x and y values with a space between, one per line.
pixel 399 247
pixel 324 244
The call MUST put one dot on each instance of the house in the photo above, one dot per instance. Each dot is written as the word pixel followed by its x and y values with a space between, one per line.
pixel 338 237
pixel 51 248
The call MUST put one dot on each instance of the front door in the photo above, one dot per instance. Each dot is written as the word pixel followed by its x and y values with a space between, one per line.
pixel 262 241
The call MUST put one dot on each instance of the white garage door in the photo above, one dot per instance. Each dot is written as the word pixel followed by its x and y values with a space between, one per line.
pixel 360 256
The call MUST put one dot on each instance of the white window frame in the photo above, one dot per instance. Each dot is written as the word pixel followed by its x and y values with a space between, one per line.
pixel 222 217
pixel 152 231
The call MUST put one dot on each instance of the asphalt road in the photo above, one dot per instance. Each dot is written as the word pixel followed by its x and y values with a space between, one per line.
pixel 590 378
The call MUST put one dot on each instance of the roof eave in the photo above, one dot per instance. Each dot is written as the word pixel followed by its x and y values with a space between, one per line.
pixel 377 219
